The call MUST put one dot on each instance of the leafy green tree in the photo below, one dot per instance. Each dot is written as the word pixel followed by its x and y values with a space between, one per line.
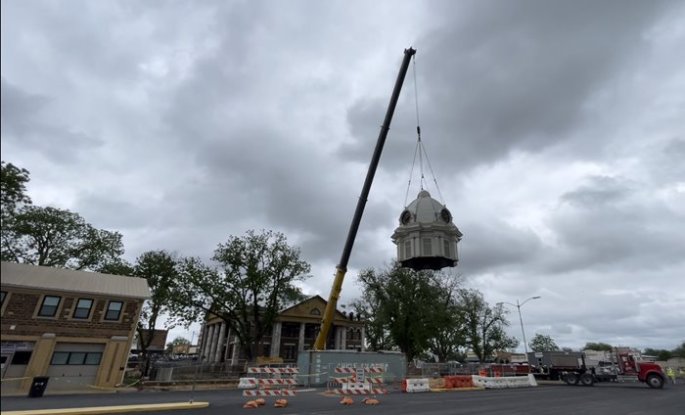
pixel 118 267
pixel 659 354
pixel 13 196
pixel 543 343
pixel 409 306
pixel 161 270
pixel 448 339
pixel 375 330
pixel 254 280
pixel 483 324
pixel 178 341
pixel 502 342
pixel 601 347
pixel 13 182
pixel 679 351
pixel 58 238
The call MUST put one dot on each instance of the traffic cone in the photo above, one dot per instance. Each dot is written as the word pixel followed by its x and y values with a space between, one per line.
pixel 347 401
pixel 251 405
pixel 371 401
pixel 281 403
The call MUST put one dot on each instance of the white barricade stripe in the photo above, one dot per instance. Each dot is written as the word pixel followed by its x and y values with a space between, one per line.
pixel 272 392
pixel 361 391
pixel 277 381
pixel 273 370
pixel 352 380
pixel 353 370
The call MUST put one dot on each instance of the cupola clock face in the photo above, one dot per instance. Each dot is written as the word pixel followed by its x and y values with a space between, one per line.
pixel 405 217
pixel 445 215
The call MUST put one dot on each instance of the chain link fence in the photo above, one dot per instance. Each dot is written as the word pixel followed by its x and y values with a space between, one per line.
pixel 192 371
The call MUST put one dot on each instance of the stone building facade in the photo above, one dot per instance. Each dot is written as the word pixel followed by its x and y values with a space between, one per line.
pixel 75 327
pixel 294 330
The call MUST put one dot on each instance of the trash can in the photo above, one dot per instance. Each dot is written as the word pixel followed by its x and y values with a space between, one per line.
pixel 38 386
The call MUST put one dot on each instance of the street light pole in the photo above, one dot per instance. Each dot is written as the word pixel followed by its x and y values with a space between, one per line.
pixel 523 332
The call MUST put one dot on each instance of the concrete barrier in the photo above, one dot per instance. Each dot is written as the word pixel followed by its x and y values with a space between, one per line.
pixel 504 382
pixel 416 385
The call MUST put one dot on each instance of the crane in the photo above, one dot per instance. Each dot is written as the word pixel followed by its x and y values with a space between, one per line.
pixel 341 269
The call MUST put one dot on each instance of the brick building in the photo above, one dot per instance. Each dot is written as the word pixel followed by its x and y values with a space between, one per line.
pixel 74 326
pixel 294 330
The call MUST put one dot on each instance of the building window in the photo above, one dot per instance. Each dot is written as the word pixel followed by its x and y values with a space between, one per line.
pixel 3 294
pixel 83 307
pixel 315 312
pixel 76 358
pixel 427 247
pixel 93 358
pixel 21 358
pixel 446 244
pixel 60 358
pixel 49 306
pixel 407 249
pixel 113 310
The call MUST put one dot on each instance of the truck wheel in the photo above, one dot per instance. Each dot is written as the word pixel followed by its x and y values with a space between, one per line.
pixel 655 381
pixel 571 379
pixel 586 379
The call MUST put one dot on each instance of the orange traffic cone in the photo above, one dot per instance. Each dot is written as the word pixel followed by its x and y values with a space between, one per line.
pixel 347 401
pixel 281 403
pixel 251 405
pixel 371 401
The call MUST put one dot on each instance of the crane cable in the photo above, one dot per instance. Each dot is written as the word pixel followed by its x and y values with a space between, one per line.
pixel 420 149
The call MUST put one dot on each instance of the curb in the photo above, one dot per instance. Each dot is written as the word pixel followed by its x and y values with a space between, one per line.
pixel 111 409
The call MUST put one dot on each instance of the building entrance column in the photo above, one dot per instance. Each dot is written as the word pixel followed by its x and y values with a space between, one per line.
pixel 220 342
pixel 276 339
pixel 343 338
pixel 236 351
pixel 300 342
pixel 213 343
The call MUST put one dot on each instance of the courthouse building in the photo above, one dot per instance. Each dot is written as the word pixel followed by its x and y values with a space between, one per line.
pixel 294 330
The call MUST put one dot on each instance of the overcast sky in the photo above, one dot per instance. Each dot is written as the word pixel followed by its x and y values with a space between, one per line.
pixel 555 129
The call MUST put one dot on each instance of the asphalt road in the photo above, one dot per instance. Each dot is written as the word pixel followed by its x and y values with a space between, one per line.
pixel 546 399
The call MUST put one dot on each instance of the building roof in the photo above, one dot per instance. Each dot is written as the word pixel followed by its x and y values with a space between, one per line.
pixel 60 279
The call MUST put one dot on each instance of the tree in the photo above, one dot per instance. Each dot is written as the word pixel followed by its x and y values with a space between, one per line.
pixel 409 306
pixel 376 334
pixel 543 343
pixel 160 270
pixel 13 196
pixel 659 354
pixel 178 341
pixel 448 340
pixel 254 280
pixel 679 351
pixel 12 188
pixel 58 238
pixel 483 324
pixel 601 347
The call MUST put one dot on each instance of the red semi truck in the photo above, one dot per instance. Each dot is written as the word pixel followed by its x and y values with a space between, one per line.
pixel 571 368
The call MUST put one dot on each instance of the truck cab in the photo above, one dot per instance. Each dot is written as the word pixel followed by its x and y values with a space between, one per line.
pixel 649 372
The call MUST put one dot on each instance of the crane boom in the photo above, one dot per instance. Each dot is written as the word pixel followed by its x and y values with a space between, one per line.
pixel 341 269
